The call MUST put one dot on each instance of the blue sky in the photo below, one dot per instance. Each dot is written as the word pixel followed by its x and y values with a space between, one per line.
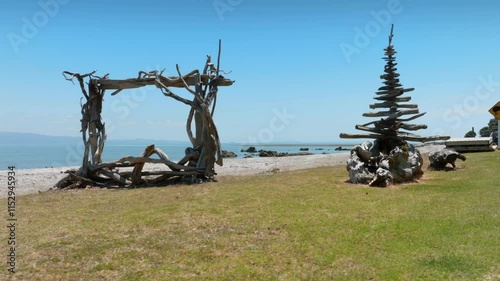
pixel 304 70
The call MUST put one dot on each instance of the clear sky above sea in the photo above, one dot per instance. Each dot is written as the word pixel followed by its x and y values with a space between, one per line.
pixel 304 70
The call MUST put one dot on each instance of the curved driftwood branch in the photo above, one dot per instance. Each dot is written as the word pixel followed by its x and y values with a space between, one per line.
pixel 214 104
pixel 411 118
pixel 197 94
pixel 80 78
pixel 82 179
pixel 101 141
pixel 101 77
pixel 186 86
pixel 148 74
pixel 136 173
pixel 134 160
pixel 165 173
pixel 211 134
pixel 189 123
pixel 191 156
pixel 114 176
pixel 78 75
pixel 169 93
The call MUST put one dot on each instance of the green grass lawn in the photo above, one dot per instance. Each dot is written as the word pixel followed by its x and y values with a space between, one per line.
pixel 301 225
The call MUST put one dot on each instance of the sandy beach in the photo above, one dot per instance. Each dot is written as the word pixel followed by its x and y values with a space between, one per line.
pixel 40 180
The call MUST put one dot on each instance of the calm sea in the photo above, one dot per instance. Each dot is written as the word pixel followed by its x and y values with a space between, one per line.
pixel 61 155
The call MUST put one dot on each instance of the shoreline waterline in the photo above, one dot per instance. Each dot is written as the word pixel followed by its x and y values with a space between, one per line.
pixel 64 155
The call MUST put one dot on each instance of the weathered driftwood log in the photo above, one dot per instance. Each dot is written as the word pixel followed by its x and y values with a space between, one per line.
pixel 401 136
pixel 439 159
pixel 169 173
pixel 191 157
pixel 114 176
pixel 74 180
pixel 391 104
pixel 150 150
pixel 93 130
pixel 176 82
pixel 106 174
pixel 391 114
pixel 129 161
pixel 391 98
pixel 393 91
pixel 136 173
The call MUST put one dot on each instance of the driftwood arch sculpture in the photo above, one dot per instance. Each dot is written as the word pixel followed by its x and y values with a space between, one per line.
pixel 199 160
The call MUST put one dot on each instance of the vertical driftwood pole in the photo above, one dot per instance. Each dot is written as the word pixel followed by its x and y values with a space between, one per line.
pixel 96 120
pixel 94 104
pixel 205 139
pixel 85 123
pixel 93 130
pixel 198 120
pixel 206 130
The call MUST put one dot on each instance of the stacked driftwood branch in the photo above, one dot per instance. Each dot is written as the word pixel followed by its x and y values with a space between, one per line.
pixel 390 96
pixel 199 160
pixel 390 158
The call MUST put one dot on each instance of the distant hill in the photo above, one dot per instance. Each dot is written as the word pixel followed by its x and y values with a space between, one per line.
pixel 8 138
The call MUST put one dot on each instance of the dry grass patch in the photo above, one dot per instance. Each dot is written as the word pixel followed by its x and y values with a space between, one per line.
pixel 301 225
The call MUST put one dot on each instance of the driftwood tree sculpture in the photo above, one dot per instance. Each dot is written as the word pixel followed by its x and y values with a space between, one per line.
pixel 199 160
pixel 390 158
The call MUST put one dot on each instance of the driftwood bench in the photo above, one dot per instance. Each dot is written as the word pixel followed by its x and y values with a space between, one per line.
pixel 470 144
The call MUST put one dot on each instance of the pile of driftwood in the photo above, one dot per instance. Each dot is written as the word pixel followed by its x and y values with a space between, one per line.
pixel 390 158
pixel 199 160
